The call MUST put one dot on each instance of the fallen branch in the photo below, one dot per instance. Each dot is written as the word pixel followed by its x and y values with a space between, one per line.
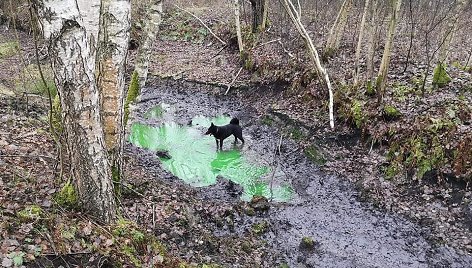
pixel 200 20
pixel 266 43
pixel 232 82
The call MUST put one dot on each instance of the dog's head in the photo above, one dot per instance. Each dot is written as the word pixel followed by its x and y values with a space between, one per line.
pixel 211 130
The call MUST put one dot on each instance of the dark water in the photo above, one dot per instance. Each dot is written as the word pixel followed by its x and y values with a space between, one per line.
pixel 347 232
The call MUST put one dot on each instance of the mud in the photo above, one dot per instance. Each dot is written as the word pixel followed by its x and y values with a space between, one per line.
pixel 346 231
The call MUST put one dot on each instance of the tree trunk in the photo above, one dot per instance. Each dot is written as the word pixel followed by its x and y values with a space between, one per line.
pixel 238 26
pixel 258 14
pixel 292 12
pixel 373 27
pixel 266 14
pixel 336 31
pixel 359 41
pixel 72 27
pixel 113 48
pixel 151 27
pixel 381 82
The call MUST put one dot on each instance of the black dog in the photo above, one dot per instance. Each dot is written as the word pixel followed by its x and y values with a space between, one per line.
pixel 222 132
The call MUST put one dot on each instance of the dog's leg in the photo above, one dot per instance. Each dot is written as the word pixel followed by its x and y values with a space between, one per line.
pixel 235 139
pixel 216 144
pixel 221 144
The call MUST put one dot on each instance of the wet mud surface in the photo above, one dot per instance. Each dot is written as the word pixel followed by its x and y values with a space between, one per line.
pixel 346 232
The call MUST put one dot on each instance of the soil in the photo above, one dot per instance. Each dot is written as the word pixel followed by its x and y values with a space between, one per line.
pixel 344 209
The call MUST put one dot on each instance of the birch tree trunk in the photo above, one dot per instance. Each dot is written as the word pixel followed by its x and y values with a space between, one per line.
pixel 238 26
pixel 360 39
pixel 72 27
pixel 381 82
pixel 113 48
pixel 295 17
pixel 336 31
pixel 151 27
pixel 373 27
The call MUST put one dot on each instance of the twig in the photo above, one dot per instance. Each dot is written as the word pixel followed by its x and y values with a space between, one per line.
pixel 219 51
pixel 204 25
pixel 232 82
pixel 266 43
pixel 285 50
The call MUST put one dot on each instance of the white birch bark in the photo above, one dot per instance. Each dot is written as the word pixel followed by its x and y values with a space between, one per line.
pixel 114 37
pixel 72 28
pixel 336 31
pixel 359 41
pixel 381 82
pixel 238 25
pixel 151 28
pixel 295 17
pixel 372 40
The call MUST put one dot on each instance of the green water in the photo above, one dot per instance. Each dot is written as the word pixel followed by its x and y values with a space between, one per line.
pixel 195 160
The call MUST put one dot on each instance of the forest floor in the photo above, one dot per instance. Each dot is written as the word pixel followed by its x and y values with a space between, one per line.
pixel 37 232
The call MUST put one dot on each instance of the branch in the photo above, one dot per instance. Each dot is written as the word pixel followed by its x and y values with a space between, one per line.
pixel 234 79
pixel 204 25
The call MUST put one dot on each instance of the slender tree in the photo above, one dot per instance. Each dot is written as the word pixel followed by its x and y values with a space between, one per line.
pixel 295 17
pixel 238 26
pixel 360 39
pixel 336 31
pixel 151 27
pixel 381 82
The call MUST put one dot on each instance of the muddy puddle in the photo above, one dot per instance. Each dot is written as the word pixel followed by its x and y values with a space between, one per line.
pixel 167 133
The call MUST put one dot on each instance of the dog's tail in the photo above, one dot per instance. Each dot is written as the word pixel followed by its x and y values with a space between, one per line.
pixel 234 121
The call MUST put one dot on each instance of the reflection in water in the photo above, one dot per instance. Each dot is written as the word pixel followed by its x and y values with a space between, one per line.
pixel 195 160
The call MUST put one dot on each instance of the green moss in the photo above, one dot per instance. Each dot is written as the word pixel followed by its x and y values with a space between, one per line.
pixel 284 265
pixel 440 76
pixel 315 155
pixel 30 213
pixel 260 228
pixel 307 243
pixel 30 80
pixel 357 113
pixel 267 120
pixel 248 61
pixel 392 170
pixel 130 252
pixel 67 196
pixel 8 49
pixel 370 89
pixel 391 112
pixel 133 92
pixel 296 133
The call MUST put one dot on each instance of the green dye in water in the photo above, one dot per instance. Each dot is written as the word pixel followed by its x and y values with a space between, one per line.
pixel 195 160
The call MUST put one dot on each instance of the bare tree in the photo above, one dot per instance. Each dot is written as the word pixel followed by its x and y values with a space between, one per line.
pixel 238 25
pixel 259 15
pixel 295 17
pixel 151 27
pixel 373 29
pixel 72 28
pixel 381 82
pixel 360 39
pixel 336 31
pixel 450 30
